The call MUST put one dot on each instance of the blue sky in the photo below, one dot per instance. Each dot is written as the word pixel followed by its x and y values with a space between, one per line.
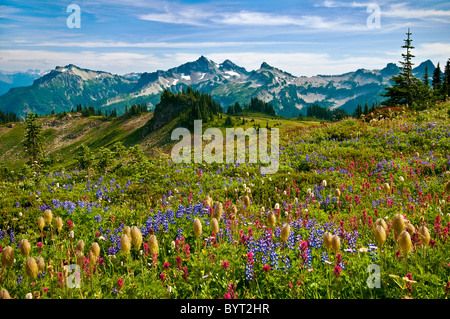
pixel 304 38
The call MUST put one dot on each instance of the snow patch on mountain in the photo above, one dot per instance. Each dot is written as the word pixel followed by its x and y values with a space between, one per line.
pixel 232 73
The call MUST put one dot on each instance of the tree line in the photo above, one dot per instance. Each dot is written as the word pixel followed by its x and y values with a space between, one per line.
pixel 360 111
pixel 324 113
pixel 7 117
pixel 197 106
pixel 255 105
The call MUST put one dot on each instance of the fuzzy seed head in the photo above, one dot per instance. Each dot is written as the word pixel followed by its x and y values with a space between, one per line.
pixel 246 201
pixel 285 230
pixel 95 248
pixel 410 228
pixel 25 248
pixel 327 237
pixel 386 188
pixel 58 223
pixel 447 187
pixel 335 244
pixel 197 227
pixel 234 211
pixel 31 268
pixel 398 222
pixel 214 226
pixel 48 216
pixel 80 245
pixel 337 192
pixel 404 241
pixel 4 294
pixel 80 259
pixel 209 201
pixel 127 231
pixel 380 235
pixel 271 219
pixel 40 263
pixel 8 256
pixel 153 245
pixel 424 235
pixel 92 258
pixel 125 244
pixel 218 210
pixel 136 237
pixel 41 223
pixel 382 223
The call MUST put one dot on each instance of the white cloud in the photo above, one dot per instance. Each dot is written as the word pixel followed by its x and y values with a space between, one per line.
pixel 340 4
pixel 119 44
pixel 115 62
pixel 6 12
pixel 402 11
pixel 299 64
pixel 435 51
pixel 204 16
pixel 189 16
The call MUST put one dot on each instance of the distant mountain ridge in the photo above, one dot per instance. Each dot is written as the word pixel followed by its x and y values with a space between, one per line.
pixel 65 87
pixel 10 80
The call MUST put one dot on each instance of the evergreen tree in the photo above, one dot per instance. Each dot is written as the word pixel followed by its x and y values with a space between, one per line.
pixel 8 117
pixel 426 76
pixel 436 81
pixel 406 89
pixel 366 108
pixel 33 140
pixel 85 159
pixel 105 158
pixel 358 112
pixel 316 111
pixel 446 81
pixel 228 121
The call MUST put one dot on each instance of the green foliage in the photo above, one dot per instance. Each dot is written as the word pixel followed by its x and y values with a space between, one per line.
pixel 324 113
pixel 256 105
pixel 7 117
pixel 85 158
pixel 229 122
pixel 33 140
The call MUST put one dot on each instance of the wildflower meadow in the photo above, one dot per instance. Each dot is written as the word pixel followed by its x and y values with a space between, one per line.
pixel 357 210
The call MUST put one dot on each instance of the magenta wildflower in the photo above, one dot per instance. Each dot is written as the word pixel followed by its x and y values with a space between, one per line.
pixel 338 258
pixel 250 257
pixel 337 271
pixel 178 261
pixel 185 273
pixel 120 283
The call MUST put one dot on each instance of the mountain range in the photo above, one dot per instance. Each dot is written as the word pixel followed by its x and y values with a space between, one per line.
pixel 63 88
pixel 14 79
